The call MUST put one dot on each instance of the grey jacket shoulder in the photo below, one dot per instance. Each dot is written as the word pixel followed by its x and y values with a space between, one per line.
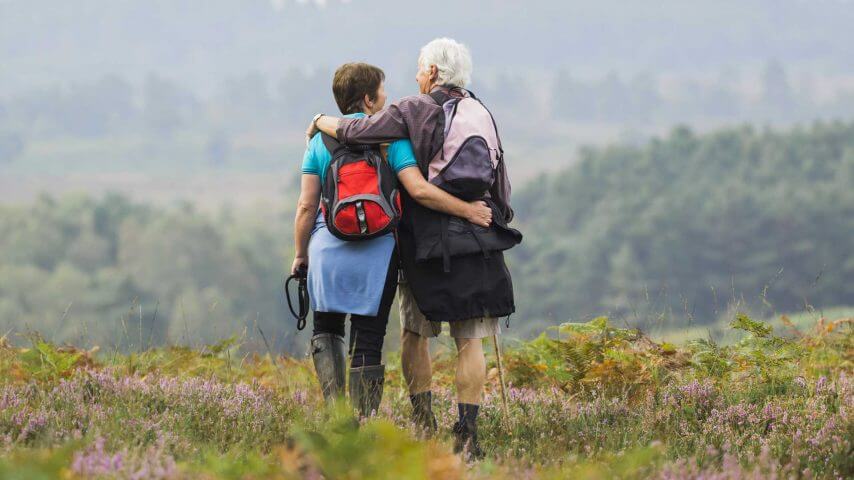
pixel 413 104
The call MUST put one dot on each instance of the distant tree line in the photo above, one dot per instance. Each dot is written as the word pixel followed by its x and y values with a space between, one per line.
pixel 161 109
pixel 613 99
pixel 112 272
pixel 112 105
pixel 253 103
pixel 687 226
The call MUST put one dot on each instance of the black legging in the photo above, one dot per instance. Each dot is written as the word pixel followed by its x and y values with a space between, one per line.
pixel 366 332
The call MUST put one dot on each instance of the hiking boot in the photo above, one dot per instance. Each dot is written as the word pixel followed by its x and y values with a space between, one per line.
pixel 330 362
pixel 422 413
pixel 366 388
pixel 465 433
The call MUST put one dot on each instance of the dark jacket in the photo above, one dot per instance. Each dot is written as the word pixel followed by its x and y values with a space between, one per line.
pixel 475 285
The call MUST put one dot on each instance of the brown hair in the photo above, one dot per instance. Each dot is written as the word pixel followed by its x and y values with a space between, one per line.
pixel 352 81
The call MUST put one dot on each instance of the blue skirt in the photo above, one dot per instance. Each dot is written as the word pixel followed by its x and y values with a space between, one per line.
pixel 346 277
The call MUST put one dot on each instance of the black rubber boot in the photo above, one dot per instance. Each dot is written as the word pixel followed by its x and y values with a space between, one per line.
pixel 330 363
pixel 422 412
pixel 465 432
pixel 366 388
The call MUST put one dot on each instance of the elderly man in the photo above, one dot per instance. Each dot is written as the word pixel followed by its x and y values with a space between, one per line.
pixel 477 290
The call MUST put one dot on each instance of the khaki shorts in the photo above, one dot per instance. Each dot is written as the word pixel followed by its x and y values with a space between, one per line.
pixel 413 320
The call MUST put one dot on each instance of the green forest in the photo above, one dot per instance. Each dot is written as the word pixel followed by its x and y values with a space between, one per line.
pixel 679 231
pixel 110 272
pixel 688 226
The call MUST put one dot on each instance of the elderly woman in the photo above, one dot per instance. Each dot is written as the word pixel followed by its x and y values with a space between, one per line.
pixel 471 307
pixel 357 278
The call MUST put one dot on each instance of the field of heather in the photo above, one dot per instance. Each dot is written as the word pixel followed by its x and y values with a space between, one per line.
pixel 585 401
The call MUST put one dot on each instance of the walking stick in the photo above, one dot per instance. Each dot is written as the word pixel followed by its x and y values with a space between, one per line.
pixel 501 378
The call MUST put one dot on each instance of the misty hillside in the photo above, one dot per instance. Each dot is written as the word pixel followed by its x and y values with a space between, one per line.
pixel 166 101
pixel 682 174
pixel 193 117
pixel 676 232
pixel 687 227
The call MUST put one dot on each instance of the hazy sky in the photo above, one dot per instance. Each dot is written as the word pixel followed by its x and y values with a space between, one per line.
pixel 202 41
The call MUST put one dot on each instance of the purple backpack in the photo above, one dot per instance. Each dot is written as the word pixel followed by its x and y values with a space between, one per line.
pixel 470 166
pixel 466 164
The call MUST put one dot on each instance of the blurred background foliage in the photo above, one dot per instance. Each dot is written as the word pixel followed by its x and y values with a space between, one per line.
pixel 684 228
pixel 115 272
pixel 675 233
pixel 672 163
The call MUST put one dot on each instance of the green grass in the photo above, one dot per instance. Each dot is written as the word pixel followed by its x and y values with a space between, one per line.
pixel 803 321
pixel 588 401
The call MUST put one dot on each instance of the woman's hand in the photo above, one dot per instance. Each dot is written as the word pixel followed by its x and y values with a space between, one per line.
pixel 299 262
pixel 479 213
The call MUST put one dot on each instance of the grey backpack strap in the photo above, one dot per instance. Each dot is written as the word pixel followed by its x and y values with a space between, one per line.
pixel 330 143
pixel 439 96
pixel 500 191
pixel 495 125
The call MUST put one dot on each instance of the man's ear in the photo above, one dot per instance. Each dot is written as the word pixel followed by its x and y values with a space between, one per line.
pixel 368 102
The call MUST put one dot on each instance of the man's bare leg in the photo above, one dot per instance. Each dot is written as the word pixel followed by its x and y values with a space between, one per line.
pixel 418 373
pixel 471 370
pixel 415 360
pixel 471 377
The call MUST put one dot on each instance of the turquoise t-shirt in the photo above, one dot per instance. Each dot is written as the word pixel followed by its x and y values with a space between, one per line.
pixel 348 277
pixel 317 158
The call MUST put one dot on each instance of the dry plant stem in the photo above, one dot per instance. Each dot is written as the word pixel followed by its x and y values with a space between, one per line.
pixel 501 378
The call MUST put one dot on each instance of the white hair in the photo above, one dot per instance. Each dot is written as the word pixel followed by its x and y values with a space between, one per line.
pixel 451 58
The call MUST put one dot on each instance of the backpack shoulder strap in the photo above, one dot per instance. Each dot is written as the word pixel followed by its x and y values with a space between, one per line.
pixel 497 136
pixel 439 96
pixel 330 143
pixel 500 191
pixel 333 145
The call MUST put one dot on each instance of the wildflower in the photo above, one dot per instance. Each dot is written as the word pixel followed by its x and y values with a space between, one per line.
pixel 820 385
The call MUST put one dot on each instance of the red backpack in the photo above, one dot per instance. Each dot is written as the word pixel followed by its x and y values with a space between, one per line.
pixel 359 196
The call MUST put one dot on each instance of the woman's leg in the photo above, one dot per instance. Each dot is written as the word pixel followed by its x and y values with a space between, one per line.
pixel 367 373
pixel 367 333
pixel 329 322
pixel 329 354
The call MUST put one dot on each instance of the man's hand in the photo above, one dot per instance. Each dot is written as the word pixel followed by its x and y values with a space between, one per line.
pixel 298 262
pixel 310 131
pixel 479 213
